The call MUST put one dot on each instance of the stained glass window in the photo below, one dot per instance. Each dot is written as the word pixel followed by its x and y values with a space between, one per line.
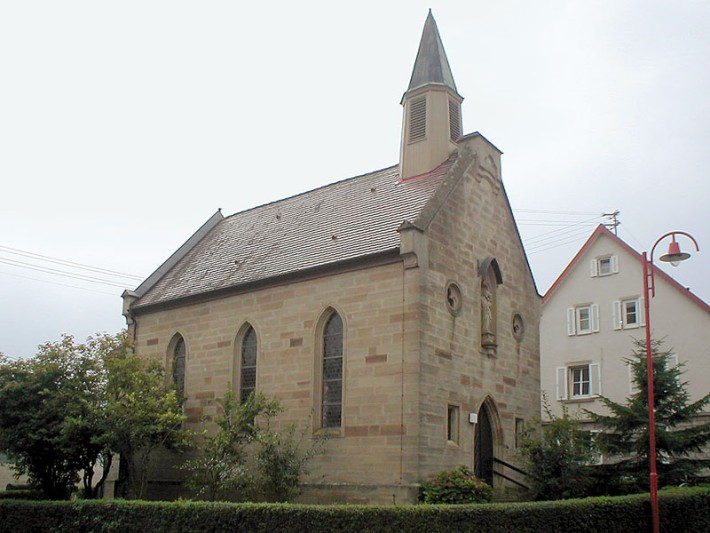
pixel 332 394
pixel 179 353
pixel 248 367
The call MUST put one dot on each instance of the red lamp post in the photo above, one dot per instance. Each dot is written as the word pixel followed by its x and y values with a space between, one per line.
pixel 674 256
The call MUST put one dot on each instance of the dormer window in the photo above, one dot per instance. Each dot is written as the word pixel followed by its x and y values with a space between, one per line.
pixel 604 266
pixel 417 119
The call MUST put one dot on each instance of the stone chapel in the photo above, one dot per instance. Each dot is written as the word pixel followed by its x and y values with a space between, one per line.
pixel 395 310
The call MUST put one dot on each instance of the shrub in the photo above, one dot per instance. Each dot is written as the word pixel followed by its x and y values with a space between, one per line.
pixel 456 487
pixel 557 453
pixel 686 510
pixel 21 495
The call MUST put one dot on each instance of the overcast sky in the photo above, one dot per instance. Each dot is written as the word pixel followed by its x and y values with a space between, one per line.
pixel 125 125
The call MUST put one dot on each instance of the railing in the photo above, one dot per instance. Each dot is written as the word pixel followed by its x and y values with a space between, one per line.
pixel 514 468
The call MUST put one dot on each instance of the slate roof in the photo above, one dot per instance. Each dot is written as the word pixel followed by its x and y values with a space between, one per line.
pixel 346 220
pixel 431 65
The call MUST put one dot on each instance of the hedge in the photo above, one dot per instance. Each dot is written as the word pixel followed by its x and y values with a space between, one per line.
pixel 686 510
pixel 21 495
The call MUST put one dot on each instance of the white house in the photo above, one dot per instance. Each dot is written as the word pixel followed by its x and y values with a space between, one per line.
pixel 594 311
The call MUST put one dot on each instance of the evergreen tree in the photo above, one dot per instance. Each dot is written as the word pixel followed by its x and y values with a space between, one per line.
pixel 678 434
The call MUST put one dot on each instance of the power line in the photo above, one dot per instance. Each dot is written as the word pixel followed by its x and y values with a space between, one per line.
pixel 58 284
pixel 563 233
pixel 578 213
pixel 573 227
pixel 64 262
pixel 569 239
pixel 563 223
pixel 56 272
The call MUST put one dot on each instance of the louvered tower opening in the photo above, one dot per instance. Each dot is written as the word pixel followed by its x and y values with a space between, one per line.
pixel 454 120
pixel 417 120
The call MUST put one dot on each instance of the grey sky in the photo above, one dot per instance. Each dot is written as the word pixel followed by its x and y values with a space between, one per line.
pixel 125 125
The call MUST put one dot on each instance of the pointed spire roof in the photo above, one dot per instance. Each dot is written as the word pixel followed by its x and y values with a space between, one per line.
pixel 431 65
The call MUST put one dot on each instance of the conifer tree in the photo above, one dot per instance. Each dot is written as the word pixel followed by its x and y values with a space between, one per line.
pixel 679 435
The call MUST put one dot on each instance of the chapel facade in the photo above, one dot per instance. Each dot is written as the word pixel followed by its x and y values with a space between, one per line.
pixel 395 310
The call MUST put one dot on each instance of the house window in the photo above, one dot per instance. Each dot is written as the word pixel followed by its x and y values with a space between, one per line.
pixel 452 424
pixel 578 381
pixel 332 391
pixel 583 319
pixel 628 313
pixel 247 371
pixel 179 356
pixel 604 266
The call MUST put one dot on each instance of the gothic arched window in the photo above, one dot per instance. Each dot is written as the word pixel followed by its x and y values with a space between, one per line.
pixel 178 359
pixel 332 373
pixel 247 370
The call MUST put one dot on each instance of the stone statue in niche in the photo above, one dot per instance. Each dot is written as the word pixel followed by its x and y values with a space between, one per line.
pixel 488 314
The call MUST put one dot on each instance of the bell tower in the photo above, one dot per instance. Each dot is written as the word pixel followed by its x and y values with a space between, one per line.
pixel 432 108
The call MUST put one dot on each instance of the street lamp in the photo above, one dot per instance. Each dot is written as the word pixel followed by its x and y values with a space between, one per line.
pixel 674 256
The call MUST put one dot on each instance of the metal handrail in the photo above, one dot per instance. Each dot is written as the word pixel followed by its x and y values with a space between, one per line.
pixel 518 483
pixel 512 467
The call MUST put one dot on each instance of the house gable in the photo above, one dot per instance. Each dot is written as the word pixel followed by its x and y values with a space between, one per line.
pixel 578 261
pixel 595 311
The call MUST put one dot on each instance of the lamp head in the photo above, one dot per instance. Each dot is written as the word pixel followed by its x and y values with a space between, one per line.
pixel 674 255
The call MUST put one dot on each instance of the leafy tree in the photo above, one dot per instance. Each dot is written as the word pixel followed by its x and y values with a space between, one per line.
pixel 281 460
pixel 221 466
pixel 69 408
pixel 557 454
pixel 142 415
pixel 246 454
pixel 677 435
pixel 42 400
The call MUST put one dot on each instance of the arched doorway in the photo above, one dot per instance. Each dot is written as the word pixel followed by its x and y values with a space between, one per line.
pixel 484 446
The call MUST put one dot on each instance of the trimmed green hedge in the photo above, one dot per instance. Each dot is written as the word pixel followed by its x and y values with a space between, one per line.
pixel 21 495
pixel 686 510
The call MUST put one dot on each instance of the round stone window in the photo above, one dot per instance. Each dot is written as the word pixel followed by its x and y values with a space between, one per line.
pixel 454 300
pixel 518 327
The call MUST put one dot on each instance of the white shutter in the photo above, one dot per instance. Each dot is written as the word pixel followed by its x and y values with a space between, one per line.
pixel 561 382
pixel 672 361
pixel 614 260
pixel 642 311
pixel 570 321
pixel 593 268
pixel 595 317
pixel 595 379
pixel 616 314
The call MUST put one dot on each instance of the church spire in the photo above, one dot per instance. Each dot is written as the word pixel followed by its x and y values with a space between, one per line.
pixel 432 108
pixel 431 65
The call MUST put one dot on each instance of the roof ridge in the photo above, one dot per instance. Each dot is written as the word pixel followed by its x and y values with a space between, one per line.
pixel 274 202
pixel 338 222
